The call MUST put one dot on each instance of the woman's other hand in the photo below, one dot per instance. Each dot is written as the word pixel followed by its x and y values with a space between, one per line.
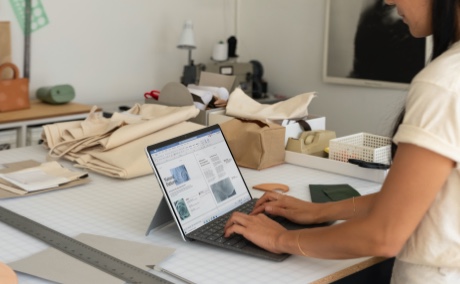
pixel 293 209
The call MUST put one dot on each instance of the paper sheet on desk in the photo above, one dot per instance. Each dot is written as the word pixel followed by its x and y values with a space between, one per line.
pixel 44 176
pixel 54 265
pixel 10 190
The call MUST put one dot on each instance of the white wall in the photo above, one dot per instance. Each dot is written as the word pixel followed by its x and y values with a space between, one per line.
pixel 287 37
pixel 113 50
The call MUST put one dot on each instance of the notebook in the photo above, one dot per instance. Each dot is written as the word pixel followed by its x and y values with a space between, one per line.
pixel 202 185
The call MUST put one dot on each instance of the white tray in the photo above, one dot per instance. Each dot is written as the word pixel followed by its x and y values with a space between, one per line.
pixel 334 166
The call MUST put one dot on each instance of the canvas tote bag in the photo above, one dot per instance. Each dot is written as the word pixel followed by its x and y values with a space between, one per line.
pixel 115 146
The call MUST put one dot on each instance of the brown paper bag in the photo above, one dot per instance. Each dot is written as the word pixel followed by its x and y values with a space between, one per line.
pixel 14 93
pixel 255 144
pixel 5 48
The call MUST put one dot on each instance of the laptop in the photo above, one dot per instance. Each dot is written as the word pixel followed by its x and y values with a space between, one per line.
pixel 202 186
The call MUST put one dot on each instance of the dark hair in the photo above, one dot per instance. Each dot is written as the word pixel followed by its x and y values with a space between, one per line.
pixel 444 25
pixel 445 30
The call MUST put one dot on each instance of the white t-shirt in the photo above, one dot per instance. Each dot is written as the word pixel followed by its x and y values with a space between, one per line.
pixel 432 121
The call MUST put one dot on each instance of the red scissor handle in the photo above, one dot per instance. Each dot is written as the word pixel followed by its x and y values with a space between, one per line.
pixel 153 94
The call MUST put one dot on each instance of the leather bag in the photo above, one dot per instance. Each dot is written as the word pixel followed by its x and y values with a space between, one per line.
pixel 14 92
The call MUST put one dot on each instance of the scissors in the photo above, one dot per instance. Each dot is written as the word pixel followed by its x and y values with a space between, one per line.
pixel 153 94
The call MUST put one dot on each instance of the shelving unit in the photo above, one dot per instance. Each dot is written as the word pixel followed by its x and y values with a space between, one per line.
pixel 39 114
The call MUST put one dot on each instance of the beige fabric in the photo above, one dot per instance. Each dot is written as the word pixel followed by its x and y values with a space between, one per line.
pixel 115 146
pixel 130 160
pixel 242 106
pixel 72 137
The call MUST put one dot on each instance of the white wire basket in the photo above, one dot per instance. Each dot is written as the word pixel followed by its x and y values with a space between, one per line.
pixel 362 146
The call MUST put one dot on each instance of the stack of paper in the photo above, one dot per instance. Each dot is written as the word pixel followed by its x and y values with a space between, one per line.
pixel 44 176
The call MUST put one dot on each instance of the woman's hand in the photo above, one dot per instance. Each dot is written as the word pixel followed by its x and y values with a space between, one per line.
pixel 258 229
pixel 293 209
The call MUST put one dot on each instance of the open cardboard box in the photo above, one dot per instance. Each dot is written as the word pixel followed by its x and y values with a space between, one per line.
pixel 293 130
pixel 176 94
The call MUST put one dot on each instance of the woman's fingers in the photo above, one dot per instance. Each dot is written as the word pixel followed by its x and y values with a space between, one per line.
pixel 237 218
pixel 268 197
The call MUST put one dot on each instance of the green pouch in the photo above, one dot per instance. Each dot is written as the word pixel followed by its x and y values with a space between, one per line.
pixel 56 95
pixel 331 192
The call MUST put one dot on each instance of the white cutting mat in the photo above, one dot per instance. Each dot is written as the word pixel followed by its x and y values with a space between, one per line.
pixel 124 208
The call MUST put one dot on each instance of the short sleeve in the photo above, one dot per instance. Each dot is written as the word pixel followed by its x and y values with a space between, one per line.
pixel 432 120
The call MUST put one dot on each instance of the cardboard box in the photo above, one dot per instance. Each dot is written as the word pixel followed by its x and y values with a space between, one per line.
pixel 5 48
pixel 176 94
pixel 293 130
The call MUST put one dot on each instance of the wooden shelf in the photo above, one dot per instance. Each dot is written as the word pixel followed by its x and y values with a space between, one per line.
pixel 39 110
pixel 38 114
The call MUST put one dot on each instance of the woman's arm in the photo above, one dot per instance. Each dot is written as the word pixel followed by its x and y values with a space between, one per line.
pixel 416 176
pixel 346 209
pixel 304 212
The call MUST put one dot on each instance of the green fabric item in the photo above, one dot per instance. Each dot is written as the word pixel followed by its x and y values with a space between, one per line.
pixel 331 192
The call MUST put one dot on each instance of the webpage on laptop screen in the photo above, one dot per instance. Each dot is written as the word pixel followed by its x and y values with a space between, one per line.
pixel 200 178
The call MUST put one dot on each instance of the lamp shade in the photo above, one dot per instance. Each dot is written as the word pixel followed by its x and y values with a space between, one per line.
pixel 187 39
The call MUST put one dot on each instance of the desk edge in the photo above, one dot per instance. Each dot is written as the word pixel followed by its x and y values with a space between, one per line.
pixel 349 270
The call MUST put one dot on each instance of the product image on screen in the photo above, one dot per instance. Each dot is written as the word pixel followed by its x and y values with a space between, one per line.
pixel 223 190
pixel 180 174
pixel 182 209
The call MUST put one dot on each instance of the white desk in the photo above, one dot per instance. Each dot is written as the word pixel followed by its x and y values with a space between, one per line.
pixel 124 208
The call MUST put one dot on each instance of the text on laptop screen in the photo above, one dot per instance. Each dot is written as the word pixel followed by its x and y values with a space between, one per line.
pixel 200 178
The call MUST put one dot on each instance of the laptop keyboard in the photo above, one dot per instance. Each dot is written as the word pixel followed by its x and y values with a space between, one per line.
pixel 213 232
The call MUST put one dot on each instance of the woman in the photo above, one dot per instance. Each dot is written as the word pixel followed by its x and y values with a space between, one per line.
pixel 416 214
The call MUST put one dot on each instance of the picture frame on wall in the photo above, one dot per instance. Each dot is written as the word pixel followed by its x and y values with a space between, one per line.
pixel 368 44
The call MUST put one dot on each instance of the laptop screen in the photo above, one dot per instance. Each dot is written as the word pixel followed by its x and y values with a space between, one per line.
pixel 198 176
